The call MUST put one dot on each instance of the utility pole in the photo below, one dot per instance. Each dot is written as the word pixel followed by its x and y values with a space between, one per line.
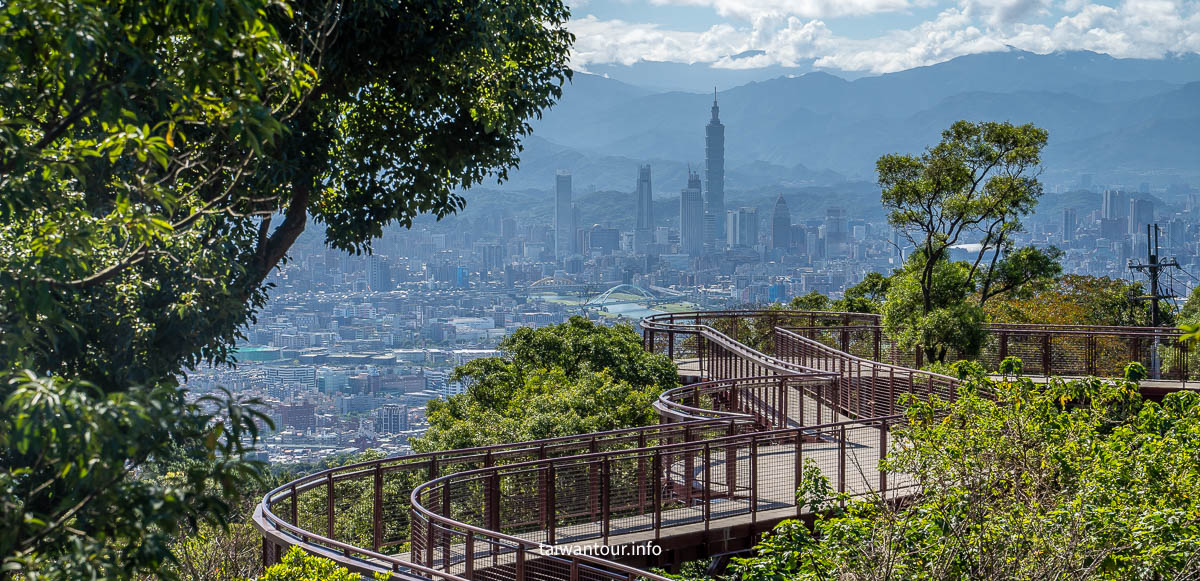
pixel 1153 268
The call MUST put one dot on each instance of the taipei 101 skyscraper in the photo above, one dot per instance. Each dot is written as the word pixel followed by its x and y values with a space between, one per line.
pixel 714 166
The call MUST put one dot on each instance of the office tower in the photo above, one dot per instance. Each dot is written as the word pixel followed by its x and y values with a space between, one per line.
pixel 714 167
pixel 645 210
pixel 1068 224
pixel 391 418
pixel 741 227
pixel 781 225
pixel 564 215
pixel 691 217
pixel 837 237
pixel 508 228
pixel 713 239
pixel 379 274
pixel 1141 213
pixel 606 240
pixel 1116 204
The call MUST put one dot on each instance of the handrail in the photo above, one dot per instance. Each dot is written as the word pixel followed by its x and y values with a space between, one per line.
pixel 751 407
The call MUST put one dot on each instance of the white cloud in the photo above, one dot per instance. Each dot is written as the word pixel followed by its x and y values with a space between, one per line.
pixel 788 33
pixel 753 9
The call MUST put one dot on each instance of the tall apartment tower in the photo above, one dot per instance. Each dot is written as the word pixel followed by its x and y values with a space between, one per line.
pixel 691 217
pixel 1141 213
pixel 1068 224
pixel 564 215
pixel 714 166
pixel 781 225
pixel 644 228
pixel 1116 204
pixel 741 227
pixel 837 233
pixel 379 274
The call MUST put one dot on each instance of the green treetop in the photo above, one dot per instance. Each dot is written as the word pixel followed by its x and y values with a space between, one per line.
pixel 157 161
pixel 566 379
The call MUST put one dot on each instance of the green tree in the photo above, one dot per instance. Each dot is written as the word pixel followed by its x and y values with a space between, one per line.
pixel 813 301
pixel 945 318
pixel 566 379
pixel 972 187
pixel 157 161
pixel 1073 299
pixel 1074 480
pixel 1190 312
pixel 865 297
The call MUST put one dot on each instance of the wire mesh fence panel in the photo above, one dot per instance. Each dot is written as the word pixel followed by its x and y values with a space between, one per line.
pixel 862 454
pixel 492 560
pixel 312 511
pixel 631 496
pixel 395 503
pixel 577 500
pixel 521 495
pixel 353 509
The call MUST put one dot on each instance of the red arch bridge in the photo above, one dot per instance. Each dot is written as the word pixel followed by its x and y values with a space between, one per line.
pixel 768 395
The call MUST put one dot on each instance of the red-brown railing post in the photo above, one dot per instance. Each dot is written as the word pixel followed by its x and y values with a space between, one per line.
pixel 605 498
pixel 377 509
pixel 883 444
pixel 842 462
pixel 798 469
pixel 329 503
pixel 520 562
pixel 660 479
pixel 753 479
pixel 469 556
pixel 551 506
pixel 445 534
pixel 295 505
pixel 707 497
pixel 1046 355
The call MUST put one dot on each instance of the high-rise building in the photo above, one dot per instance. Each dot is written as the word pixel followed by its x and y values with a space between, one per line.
pixel 691 217
pixel 781 225
pixel 1068 224
pixel 714 167
pixel 379 274
pixel 642 234
pixel 391 418
pixel 564 215
pixel 712 238
pixel 741 227
pixel 1116 204
pixel 837 236
pixel 1141 213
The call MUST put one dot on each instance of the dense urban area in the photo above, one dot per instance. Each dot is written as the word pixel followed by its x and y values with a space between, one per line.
pixel 351 347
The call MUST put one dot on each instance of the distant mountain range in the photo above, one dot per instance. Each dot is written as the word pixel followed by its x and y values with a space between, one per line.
pixel 1123 120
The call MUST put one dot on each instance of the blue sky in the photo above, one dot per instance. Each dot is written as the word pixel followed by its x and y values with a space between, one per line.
pixel 873 36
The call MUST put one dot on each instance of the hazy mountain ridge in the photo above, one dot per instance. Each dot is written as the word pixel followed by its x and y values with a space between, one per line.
pixel 1121 119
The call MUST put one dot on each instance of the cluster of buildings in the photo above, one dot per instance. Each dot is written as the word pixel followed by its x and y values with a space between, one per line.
pixel 350 349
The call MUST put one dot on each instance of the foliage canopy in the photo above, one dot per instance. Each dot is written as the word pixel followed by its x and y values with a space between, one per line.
pixel 157 160
pixel 560 380
pixel 1074 480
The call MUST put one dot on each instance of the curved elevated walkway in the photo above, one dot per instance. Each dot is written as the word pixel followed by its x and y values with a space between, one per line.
pixel 780 392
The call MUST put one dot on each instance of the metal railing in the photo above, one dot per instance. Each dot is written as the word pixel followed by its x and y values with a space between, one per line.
pixel 781 392
pixel 1063 350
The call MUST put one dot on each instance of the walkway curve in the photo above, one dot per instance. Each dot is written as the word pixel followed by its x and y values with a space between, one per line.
pixel 777 393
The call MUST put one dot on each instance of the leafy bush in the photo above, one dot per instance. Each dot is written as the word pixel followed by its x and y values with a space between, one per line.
pixel 1011 365
pixel 296 565
pixel 1071 480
